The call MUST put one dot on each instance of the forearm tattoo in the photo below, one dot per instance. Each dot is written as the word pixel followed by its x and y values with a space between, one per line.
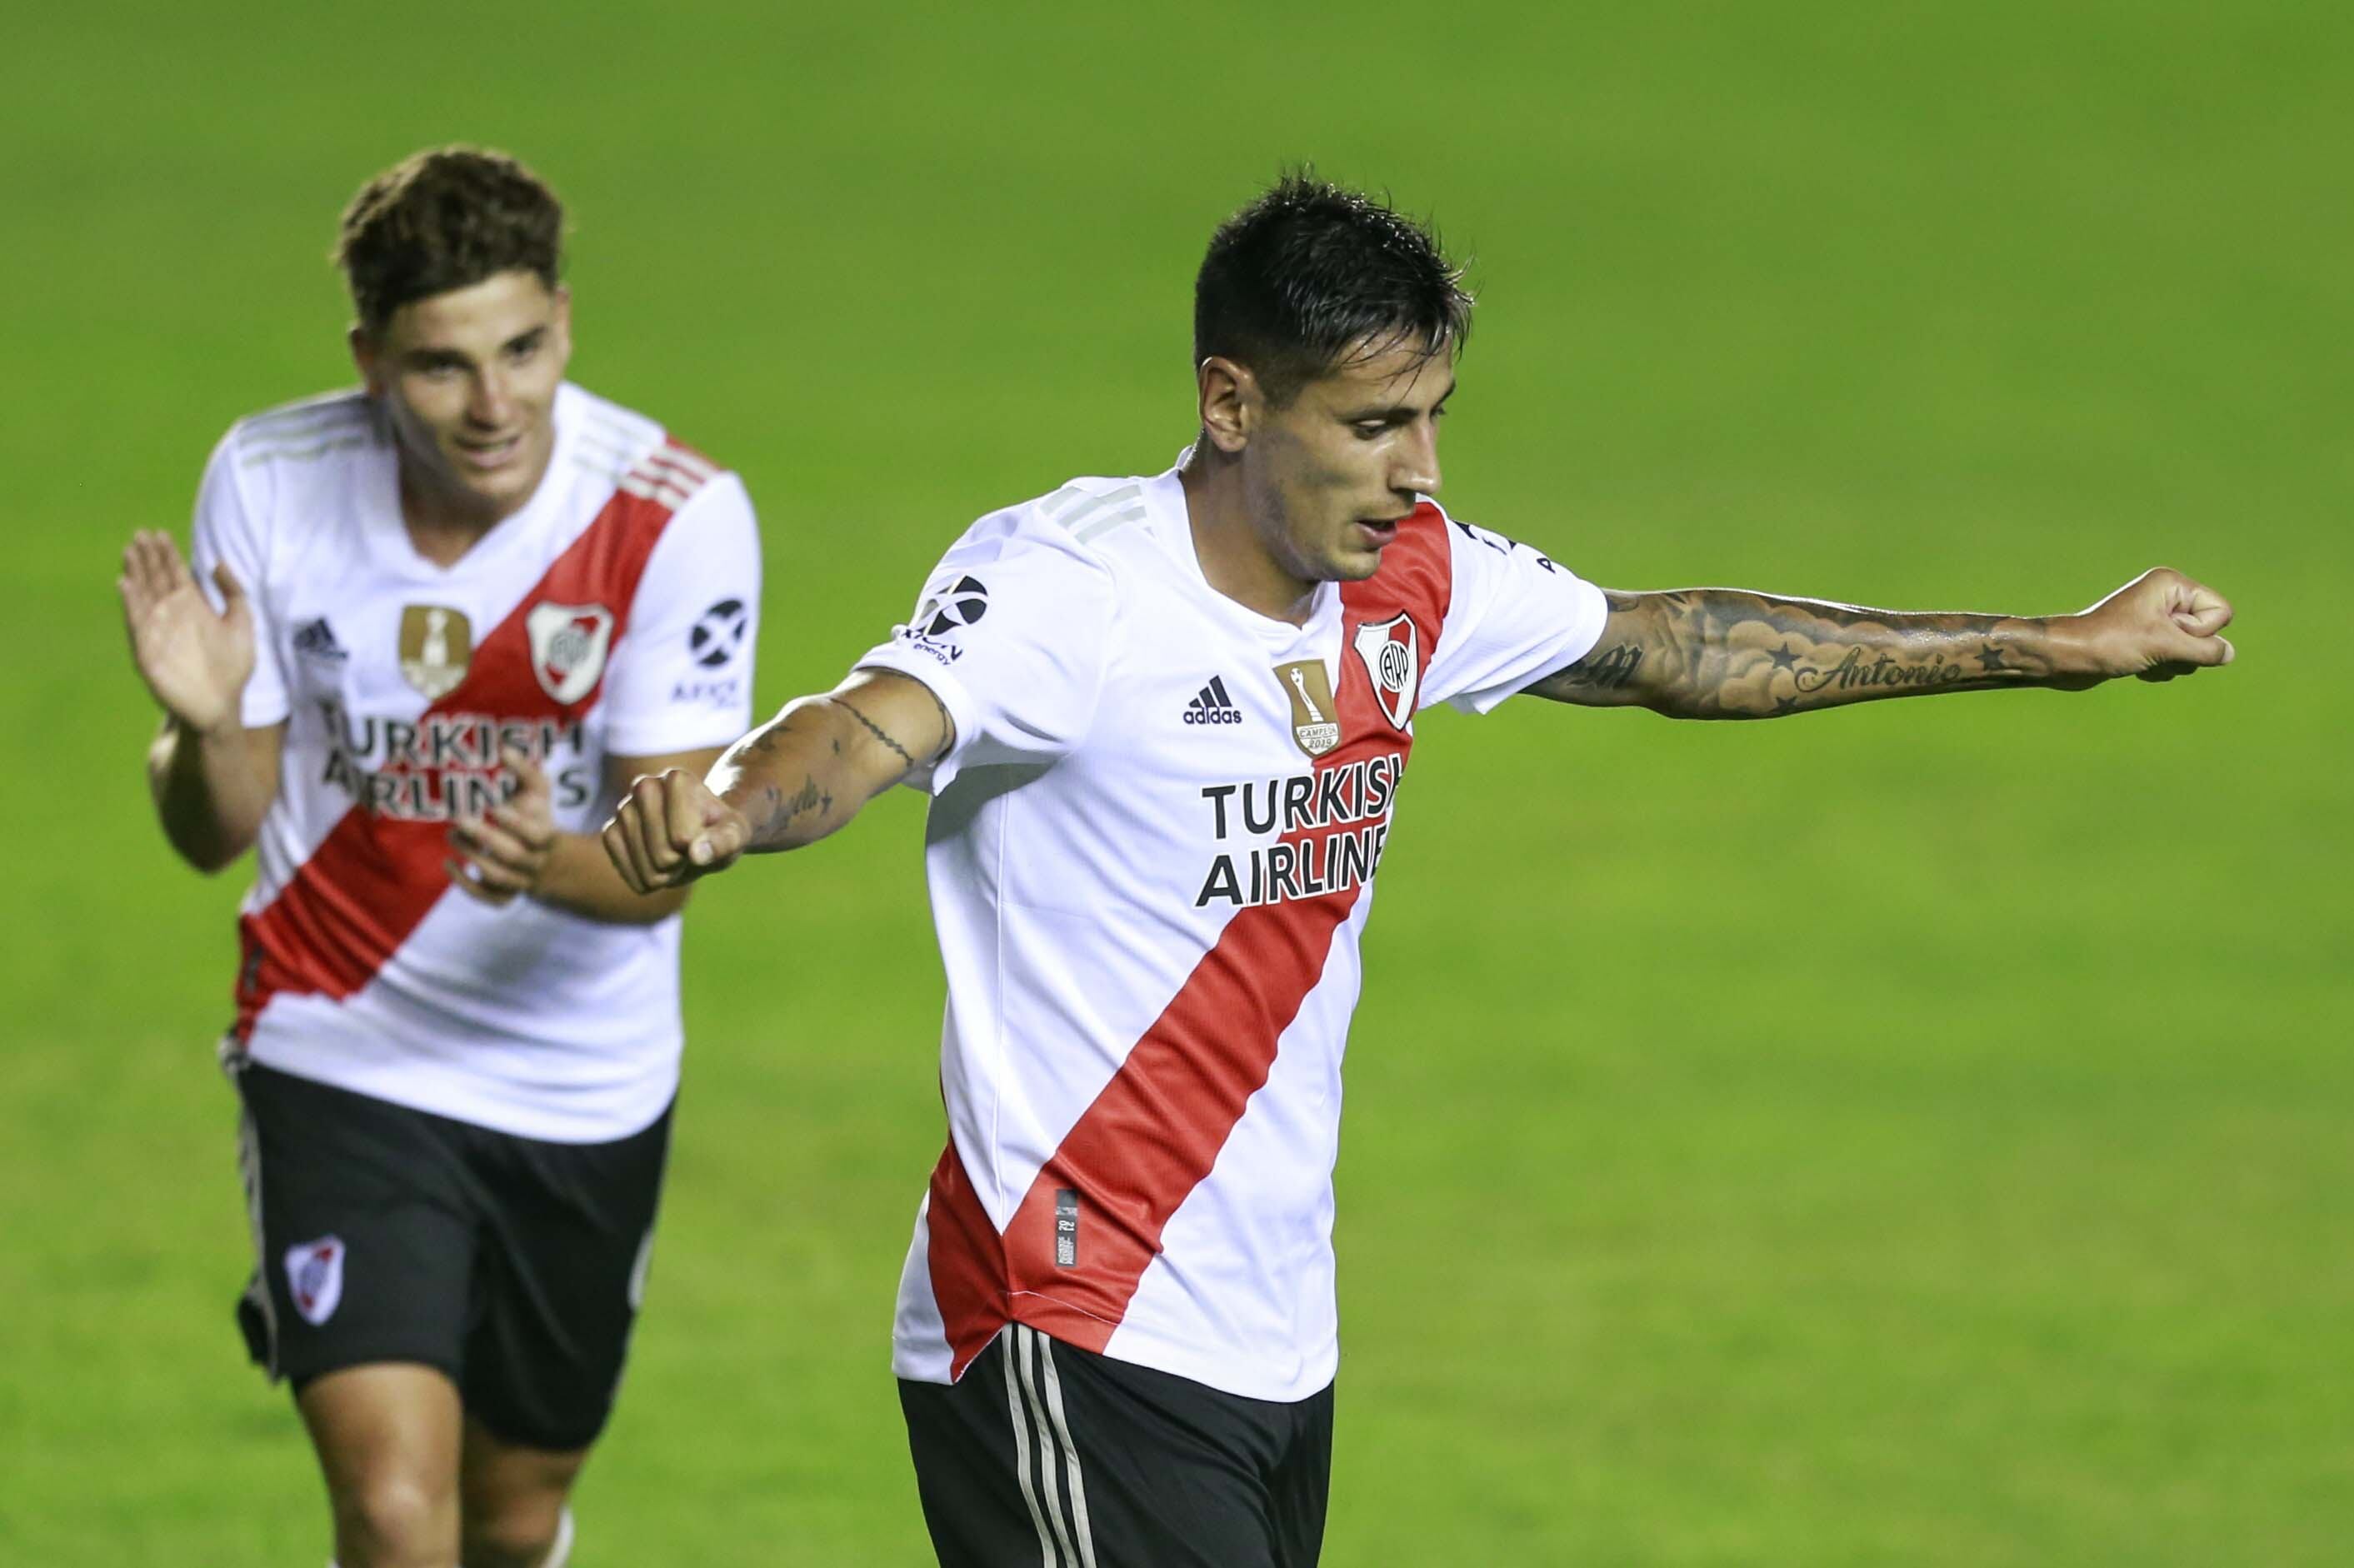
pixel 1605 669
pixel 780 816
pixel 1727 653
pixel 773 812
pixel 808 740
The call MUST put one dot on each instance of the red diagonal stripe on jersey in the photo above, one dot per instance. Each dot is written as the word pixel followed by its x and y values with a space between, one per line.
pixel 1154 1131
pixel 349 907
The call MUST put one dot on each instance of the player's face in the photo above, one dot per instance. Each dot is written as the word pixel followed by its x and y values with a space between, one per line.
pixel 1334 473
pixel 469 378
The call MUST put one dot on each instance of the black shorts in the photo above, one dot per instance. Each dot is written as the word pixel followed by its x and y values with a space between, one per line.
pixel 1045 1455
pixel 390 1234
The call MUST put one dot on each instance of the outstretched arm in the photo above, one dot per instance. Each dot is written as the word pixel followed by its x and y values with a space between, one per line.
pixel 789 783
pixel 1728 653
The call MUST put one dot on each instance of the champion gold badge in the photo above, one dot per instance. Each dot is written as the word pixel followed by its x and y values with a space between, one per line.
pixel 1315 722
pixel 436 642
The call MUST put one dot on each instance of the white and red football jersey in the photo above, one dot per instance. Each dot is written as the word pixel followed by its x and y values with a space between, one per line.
pixel 1152 853
pixel 613 615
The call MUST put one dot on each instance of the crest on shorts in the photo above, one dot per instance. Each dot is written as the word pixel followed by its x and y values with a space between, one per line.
pixel 567 647
pixel 314 1278
pixel 1315 722
pixel 1389 649
pixel 436 642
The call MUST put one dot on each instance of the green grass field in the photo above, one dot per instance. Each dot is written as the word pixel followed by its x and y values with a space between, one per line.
pixel 1917 1135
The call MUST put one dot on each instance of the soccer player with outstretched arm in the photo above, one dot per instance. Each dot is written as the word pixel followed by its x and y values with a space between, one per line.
pixel 434 624
pixel 1163 721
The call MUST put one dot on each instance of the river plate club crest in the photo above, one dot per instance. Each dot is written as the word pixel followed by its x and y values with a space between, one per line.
pixel 567 647
pixel 1389 650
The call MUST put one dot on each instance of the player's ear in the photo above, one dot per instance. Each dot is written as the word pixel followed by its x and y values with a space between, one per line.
pixel 364 354
pixel 1230 402
pixel 562 319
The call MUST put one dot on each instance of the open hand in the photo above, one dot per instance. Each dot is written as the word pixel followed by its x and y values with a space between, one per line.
pixel 501 855
pixel 670 829
pixel 2160 625
pixel 195 662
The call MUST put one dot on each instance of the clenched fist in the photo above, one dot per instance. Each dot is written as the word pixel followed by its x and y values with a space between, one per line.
pixel 2160 625
pixel 670 829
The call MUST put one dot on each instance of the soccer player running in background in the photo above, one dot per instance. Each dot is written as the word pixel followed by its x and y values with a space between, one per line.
pixel 1164 720
pixel 434 625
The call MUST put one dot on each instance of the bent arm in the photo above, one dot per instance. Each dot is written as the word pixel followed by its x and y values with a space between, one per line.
pixel 805 773
pixel 213 777
pixel 213 787
pixel 1727 653
pixel 789 783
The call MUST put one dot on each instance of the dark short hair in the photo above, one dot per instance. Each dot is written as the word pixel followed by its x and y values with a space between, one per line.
pixel 1312 275
pixel 445 218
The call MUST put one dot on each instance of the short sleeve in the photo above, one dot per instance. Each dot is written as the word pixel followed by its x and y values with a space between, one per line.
pixel 1011 632
pixel 682 675
pixel 1516 616
pixel 227 531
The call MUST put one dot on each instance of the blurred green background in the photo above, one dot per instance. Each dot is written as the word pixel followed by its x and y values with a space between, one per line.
pixel 1919 1134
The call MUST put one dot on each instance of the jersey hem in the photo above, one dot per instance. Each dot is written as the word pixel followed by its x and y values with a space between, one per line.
pixel 929 1361
pixel 420 1092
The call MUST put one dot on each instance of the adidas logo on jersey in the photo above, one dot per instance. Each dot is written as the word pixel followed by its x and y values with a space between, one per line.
pixel 317 639
pixel 1212 705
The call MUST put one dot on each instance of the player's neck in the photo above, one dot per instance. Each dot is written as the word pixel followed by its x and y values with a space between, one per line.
pixel 1227 541
pixel 445 521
